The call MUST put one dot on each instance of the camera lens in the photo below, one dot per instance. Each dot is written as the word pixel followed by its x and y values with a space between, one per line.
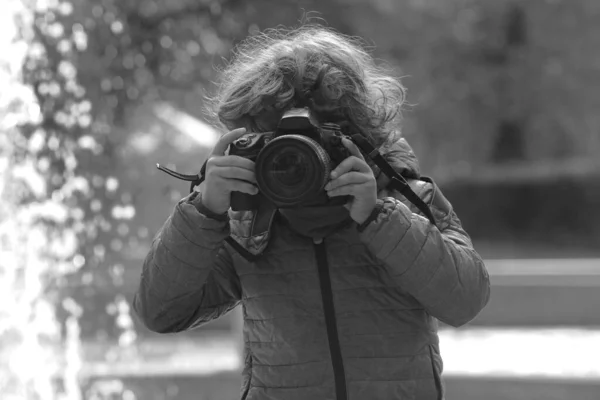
pixel 292 170
pixel 289 168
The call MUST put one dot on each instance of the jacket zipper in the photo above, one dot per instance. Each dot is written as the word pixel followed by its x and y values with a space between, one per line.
pixel 330 322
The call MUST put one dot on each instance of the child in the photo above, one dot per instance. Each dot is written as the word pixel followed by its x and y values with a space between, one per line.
pixel 340 301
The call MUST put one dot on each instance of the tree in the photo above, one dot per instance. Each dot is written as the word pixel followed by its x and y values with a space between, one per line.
pixel 87 65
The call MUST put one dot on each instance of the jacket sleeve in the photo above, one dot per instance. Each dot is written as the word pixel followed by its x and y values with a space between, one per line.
pixel 438 266
pixel 188 277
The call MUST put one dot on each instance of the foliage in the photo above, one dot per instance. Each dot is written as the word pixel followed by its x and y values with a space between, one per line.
pixel 65 215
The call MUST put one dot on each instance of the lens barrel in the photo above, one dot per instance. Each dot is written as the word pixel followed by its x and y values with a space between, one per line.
pixel 292 170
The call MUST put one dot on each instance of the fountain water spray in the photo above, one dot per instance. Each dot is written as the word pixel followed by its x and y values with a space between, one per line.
pixel 37 360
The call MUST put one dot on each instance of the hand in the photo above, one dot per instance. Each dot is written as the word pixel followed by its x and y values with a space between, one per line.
pixel 354 177
pixel 226 174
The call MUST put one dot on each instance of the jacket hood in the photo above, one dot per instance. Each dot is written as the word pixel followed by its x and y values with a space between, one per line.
pixel 402 158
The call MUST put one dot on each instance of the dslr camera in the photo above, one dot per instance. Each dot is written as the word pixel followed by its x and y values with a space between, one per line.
pixel 292 164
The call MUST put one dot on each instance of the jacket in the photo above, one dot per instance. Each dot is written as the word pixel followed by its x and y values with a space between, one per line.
pixel 351 317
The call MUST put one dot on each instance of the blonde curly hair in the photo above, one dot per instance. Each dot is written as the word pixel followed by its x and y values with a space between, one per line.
pixel 311 66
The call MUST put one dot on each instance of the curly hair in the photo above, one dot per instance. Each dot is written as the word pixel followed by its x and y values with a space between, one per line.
pixel 311 66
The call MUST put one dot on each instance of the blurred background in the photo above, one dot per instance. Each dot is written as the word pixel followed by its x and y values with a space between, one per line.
pixel 93 93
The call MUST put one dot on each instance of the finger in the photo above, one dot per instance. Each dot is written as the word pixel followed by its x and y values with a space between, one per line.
pixel 346 190
pixel 352 177
pixel 225 140
pixel 232 172
pixel 232 161
pixel 352 148
pixel 351 163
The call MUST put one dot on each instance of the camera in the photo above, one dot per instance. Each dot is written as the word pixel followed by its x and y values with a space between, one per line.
pixel 292 164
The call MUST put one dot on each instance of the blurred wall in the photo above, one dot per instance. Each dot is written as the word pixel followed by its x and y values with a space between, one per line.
pixel 492 81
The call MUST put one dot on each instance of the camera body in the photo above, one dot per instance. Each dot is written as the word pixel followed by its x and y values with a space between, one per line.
pixel 292 164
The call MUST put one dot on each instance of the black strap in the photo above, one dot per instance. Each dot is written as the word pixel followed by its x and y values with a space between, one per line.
pixel 403 187
pixel 241 250
pixel 194 180
pixel 397 181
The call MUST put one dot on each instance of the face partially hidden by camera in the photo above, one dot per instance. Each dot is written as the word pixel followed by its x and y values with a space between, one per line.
pixel 292 167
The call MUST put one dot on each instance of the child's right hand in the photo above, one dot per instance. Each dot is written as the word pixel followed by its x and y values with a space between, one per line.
pixel 226 174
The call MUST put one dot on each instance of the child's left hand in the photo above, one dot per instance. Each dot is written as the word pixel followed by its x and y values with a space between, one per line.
pixel 354 177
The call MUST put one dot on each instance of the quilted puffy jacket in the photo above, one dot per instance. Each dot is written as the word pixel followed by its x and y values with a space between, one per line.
pixel 350 317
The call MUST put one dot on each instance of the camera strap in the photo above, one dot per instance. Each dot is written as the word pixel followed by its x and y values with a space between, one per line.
pixel 397 181
pixel 194 180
